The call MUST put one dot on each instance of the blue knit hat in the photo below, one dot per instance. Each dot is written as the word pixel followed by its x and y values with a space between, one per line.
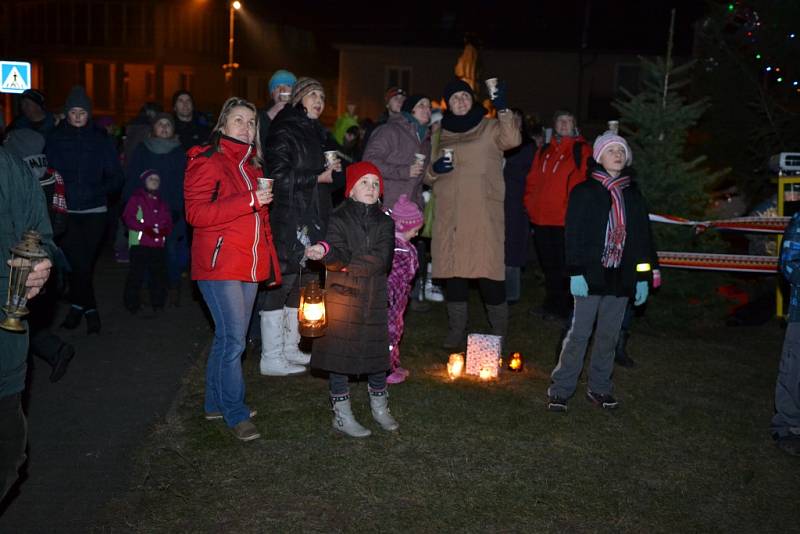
pixel 281 77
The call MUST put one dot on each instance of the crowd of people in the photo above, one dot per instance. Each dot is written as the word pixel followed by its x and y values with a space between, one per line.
pixel 266 200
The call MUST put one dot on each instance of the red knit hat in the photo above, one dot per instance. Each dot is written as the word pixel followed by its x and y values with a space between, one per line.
pixel 406 214
pixel 356 171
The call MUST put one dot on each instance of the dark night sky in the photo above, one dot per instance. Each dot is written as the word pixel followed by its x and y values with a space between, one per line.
pixel 622 25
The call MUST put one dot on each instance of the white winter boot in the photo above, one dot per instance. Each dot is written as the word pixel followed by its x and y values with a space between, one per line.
pixel 379 402
pixel 343 419
pixel 273 362
pixel 291 340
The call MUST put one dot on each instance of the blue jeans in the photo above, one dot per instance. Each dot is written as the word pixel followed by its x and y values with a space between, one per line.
pixel 230 303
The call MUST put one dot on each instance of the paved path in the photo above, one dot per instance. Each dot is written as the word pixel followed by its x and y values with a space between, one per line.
pixel 84 430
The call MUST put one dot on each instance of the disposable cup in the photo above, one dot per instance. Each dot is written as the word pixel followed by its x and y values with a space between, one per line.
pixel 613 126
pixel 420 158
pixel 331 157
pixel 265 184
pixel 449 155
pixel 491 86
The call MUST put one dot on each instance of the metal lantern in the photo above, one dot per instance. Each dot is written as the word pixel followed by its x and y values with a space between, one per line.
pixel 311 317
pixel 27 253
pixel 515 363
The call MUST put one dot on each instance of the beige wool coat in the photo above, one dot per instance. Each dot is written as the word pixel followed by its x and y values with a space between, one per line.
pixel 469 226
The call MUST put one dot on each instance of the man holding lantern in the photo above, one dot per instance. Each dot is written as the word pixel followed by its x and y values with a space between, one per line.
pixel 22 208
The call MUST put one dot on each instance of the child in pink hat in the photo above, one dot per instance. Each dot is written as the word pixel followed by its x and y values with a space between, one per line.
pixel 408 220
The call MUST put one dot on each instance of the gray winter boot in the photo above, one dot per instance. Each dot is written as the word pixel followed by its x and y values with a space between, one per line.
pixel 457 315
pixel 343 419
pixel 379 402
pixel 498 318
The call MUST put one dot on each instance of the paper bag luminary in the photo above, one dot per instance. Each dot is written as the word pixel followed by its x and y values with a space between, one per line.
pixel 483 353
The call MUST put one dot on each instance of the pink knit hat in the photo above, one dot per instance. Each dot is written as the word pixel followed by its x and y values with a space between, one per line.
pixel 606 140
pixel 406 215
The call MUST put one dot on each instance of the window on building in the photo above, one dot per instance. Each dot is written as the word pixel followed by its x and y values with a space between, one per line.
pixel 126 86
pixel 399 77
pixel 101 86
pixel 186 80
pixel 150 84
pixel 629 77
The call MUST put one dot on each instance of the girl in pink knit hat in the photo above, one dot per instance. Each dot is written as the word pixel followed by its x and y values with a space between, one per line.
pixel 408 220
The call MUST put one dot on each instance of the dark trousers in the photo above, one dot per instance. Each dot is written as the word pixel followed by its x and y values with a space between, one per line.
pixel 81 243
pixel 286 295
pixel 13 437
pixel 152 263
pixel 493 292
pixel 550 249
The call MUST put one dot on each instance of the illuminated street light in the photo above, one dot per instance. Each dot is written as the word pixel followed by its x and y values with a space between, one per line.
pixel 231 66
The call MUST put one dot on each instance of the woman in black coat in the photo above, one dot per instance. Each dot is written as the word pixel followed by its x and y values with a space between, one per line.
pixel 294 160
pixel 357 253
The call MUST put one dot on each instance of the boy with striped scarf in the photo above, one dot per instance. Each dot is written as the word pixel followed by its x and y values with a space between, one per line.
pixel 608 258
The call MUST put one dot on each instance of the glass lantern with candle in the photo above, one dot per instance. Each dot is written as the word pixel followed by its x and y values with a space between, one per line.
pixel 24 255
pixel 311 317
pixel 455 365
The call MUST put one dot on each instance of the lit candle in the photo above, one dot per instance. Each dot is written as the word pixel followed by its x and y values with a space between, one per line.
pixel 515 364
pixel 486 373
pixel 455 365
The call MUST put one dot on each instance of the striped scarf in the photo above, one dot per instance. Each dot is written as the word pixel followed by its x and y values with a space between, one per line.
pixel 615 230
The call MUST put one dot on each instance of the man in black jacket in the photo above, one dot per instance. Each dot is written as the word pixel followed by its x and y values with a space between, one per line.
pixel 190 127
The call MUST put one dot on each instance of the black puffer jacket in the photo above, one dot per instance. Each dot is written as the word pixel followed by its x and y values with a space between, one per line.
pixel 361 238
pixel 587 218
pixel 294 158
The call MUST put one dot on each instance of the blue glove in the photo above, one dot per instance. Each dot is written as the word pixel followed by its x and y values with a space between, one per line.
pixel 499 101
pixel 578 286
pixel 641 293
pixel 442 166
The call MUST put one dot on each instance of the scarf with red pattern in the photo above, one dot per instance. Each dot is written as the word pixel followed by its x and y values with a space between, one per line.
pixel 615 230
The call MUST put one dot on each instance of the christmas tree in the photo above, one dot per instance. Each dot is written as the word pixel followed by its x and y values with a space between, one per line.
pixel 749 53
pixel 657 121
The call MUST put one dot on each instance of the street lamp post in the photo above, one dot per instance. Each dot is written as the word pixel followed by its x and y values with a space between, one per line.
pixel 230 66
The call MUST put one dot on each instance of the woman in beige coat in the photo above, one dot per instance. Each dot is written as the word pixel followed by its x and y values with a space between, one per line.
pixel 468 227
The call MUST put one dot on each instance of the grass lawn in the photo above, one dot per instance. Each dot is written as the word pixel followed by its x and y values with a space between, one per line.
pixel 687 451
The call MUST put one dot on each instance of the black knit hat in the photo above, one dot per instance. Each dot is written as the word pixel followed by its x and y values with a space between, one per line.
pixel 78 99
pixel 35 96
pixel 411 101
pixel 455 86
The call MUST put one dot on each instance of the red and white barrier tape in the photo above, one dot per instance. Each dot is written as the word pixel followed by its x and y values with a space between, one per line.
pixel 768 225
pixel 719 262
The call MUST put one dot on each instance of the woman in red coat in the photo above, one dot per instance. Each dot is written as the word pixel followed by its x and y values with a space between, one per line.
pixel 232 251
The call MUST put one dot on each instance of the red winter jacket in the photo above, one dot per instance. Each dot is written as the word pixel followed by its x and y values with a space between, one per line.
pixel 232 238
pixel 551 178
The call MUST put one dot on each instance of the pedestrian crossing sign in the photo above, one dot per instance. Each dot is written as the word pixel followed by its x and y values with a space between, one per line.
pixel 15 76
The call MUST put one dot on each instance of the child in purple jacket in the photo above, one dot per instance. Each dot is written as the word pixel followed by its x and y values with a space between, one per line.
pixel 149 222
pixel 408 220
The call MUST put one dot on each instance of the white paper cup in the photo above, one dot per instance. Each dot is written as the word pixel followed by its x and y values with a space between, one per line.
pixel 331 157
pixel 491 86
pixel 265 184
pixel 613 126
pixel 420 158
pixel 449 155
pixel 284 96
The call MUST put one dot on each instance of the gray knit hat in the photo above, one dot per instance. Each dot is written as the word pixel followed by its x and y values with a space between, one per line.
pixel 304 86
pixel 78 99
pixel 24 142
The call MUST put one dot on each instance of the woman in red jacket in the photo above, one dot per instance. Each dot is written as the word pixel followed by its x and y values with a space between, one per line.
pixel 232 251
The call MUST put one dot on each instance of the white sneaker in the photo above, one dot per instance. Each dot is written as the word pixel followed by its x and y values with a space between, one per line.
pixel 433 292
